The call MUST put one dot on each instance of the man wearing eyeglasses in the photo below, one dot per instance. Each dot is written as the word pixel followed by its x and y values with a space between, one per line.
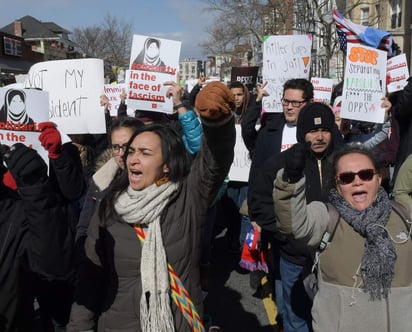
pixel 277 132
pixel 316 131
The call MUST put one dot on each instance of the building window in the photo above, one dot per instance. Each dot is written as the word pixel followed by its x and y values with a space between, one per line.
pixel 364 16
pixel 396 14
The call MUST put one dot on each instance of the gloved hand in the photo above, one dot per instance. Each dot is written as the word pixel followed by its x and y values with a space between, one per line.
pixel 25 165
pixel 50 139
pixel 215 101
pixel 295 160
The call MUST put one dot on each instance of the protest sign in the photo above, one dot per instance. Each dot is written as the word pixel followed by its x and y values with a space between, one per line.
pixel 190 84
pixel 364 84
pixel 284 57
pixel 239 171
pixel 397 73
pixel 322 89
pixel 29 107
pixel 153 61
pixel 113 92
pixel 245 75
pixel 74 88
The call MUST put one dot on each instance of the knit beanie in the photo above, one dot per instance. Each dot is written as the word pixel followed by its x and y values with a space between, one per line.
pixel 313 116
pixel 215 96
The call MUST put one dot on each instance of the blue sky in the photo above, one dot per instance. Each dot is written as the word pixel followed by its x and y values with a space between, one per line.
pixel 181 20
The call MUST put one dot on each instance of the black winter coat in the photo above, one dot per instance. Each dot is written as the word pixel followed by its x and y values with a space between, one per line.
pixel 34 238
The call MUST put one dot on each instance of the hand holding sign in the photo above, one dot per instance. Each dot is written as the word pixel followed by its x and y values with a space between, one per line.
pixel 176 92
pixel 50 139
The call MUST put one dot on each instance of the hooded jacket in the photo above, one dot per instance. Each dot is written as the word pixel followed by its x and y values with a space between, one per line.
pixel 318 172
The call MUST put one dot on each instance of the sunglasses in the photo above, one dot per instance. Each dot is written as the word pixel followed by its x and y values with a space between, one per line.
pixel 348 177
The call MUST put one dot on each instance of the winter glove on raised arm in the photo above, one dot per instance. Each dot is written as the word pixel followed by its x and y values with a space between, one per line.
pixel 295 160
pixel 25 165
pixel 50 139
pixel 215 101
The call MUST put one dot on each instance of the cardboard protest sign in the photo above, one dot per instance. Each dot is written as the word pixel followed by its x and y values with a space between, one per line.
pixel 239 171
pixel 364 84
pixel 190 84
pixel 284 57
pixel 322 89
pixel 20 112
pixel 74 88
pixel 245 75
pixel 113 92
pixel 153 61
pixel 397 73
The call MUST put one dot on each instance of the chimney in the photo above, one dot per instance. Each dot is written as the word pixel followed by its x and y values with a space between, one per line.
pixel 18 31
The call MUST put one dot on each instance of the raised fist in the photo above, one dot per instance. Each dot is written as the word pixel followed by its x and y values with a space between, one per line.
pixel 25 165
pixel 50 139
pixel 295 160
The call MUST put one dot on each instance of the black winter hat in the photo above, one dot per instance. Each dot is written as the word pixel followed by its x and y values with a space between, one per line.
pixel 313 116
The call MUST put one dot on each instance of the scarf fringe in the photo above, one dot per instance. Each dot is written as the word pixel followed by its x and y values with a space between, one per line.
pixel 159 318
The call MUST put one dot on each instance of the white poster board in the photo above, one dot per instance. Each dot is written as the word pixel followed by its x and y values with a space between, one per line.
pixel 35 104
pixel 322 89
pixel 74 88
pixel 284 57
pixel 397 73
pixel 364 84
pixel 153 61
pixel 239 171
pixel 113 92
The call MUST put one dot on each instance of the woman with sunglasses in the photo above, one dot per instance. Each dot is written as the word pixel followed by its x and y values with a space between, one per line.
pixel 365 272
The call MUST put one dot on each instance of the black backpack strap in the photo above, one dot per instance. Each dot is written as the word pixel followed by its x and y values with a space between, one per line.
pixel 334 217
pixel 402 212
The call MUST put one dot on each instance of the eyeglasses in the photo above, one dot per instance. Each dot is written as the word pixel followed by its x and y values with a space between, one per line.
pixel 295 103
pixel 116 148
pixel 349 177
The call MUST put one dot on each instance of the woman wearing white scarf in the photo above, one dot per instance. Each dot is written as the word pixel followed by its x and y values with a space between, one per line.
pixel 124 285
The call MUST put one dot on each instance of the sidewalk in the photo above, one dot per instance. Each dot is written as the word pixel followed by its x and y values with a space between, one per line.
pixel 231 303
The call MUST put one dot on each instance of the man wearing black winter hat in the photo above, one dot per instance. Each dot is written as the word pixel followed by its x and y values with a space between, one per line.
pixel 317 136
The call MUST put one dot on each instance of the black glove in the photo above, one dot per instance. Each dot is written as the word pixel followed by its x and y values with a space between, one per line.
pixel 295 159
pixel 25 164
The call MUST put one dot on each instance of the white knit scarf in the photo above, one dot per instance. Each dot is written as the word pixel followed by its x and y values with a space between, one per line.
pixel 144 207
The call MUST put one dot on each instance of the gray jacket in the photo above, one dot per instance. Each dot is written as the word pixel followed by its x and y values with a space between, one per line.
pixel 340 305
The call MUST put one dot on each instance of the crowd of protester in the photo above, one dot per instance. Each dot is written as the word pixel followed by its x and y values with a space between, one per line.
pixel 99 238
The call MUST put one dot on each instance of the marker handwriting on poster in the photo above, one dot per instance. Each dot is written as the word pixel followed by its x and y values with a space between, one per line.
pixel 73 79
pixel 35 79
pixel 74 87
pixel 364 84
pixel 279 49
pixel 360 54
pixel 284 57
pixel 146 83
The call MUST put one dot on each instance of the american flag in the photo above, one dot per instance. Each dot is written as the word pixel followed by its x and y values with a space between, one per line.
pixel 349 32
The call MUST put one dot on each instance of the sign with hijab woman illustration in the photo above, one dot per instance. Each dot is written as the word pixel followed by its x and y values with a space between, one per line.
pixel 14 108
pixel 150 54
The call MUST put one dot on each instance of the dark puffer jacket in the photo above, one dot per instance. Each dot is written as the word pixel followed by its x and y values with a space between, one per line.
pixel 35 238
